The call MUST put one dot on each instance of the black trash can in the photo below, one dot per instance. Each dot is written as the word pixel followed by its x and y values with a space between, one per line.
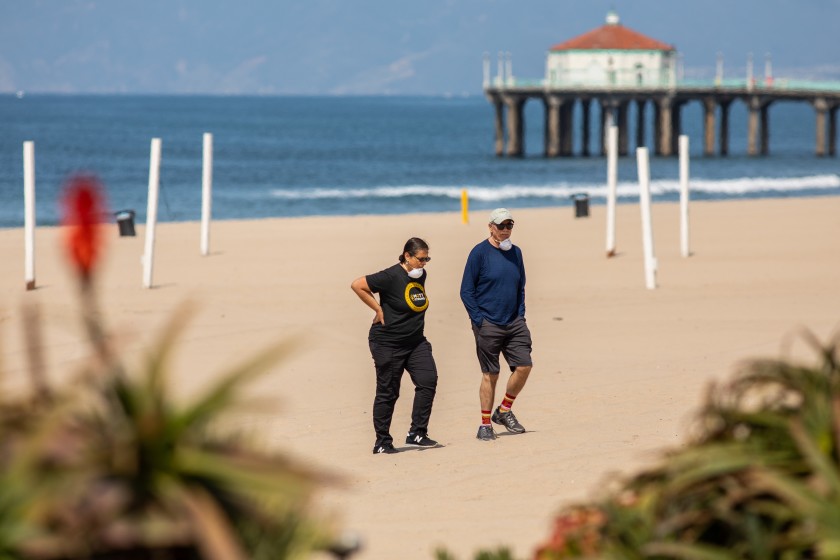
pixel 581 205
pixel 125 221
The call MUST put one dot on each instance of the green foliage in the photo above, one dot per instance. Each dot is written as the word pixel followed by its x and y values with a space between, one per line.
pixel 499 554
pixel 759 480
pixel 113 465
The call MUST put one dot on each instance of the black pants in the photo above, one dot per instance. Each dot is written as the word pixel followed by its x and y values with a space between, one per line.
pixel 390 362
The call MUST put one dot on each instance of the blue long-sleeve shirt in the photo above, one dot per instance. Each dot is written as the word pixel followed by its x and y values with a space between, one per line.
pixel 493 286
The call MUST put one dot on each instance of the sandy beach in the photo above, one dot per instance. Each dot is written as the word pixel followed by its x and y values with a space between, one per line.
pixel 618 368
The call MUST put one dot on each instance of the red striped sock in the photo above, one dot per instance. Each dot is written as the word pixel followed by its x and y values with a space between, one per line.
pixel 485 417
pixel 507 402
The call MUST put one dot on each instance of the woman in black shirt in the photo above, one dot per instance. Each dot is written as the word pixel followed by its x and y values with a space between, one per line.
pixel 397 343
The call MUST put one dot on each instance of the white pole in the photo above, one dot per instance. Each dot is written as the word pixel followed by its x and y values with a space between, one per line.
pixel 500 70
pixel 684 195
pixel 29 212
pixel 151 212
pixel 486 68
pixel 609 121
pixel 509 70
pixel 609 117
pixel 612 179
pixel 647 227
pixel 206 193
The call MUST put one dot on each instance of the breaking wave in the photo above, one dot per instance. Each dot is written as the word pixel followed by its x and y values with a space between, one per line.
pixel 562 191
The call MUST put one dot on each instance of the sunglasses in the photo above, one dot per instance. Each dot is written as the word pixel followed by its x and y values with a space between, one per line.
pixel 503 226
pixel 423 259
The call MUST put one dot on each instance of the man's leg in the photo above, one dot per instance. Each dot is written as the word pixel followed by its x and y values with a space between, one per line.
pixel 517 352
pixel 488 341
pixel 487 391
pixel 517 380
pixel 486 394
pixel 504 415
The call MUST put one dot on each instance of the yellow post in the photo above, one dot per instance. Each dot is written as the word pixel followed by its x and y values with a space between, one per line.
pixel 465 204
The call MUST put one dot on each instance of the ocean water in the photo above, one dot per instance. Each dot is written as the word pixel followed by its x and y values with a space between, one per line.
pixel 305 156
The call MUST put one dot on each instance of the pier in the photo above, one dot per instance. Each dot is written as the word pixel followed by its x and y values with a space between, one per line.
pixel 613 67
pixel 665 103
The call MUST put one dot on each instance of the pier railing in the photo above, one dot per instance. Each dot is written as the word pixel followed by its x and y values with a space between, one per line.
pixel 775 84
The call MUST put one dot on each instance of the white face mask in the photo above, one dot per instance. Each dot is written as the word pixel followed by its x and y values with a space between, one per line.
pixel 505 245
pixel 415 272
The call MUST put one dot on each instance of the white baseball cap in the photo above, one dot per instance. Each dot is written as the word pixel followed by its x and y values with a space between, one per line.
pixel 499 215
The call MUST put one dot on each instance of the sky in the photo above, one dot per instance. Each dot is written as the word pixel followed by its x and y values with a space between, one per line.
pixel 378 47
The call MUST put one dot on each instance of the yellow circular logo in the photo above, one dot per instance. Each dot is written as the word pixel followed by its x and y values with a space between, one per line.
pixel 415 297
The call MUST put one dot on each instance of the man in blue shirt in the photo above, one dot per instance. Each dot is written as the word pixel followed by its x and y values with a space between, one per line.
pixel 493 291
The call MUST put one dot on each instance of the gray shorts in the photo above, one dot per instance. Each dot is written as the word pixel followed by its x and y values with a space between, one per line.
pixel 513 341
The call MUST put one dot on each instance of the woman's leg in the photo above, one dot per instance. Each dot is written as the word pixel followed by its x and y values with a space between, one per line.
pixel 421 367
pixel 389 368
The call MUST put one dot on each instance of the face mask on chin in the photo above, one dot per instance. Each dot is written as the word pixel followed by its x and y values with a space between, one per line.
pixel 415 272
pixel 505 245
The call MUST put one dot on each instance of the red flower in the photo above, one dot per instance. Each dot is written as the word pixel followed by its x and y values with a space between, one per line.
pixel 83 209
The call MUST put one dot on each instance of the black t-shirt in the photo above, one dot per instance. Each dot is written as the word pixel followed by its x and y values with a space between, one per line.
pixel 403 300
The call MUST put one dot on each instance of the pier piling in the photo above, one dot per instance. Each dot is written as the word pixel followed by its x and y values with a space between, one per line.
pixel 613 102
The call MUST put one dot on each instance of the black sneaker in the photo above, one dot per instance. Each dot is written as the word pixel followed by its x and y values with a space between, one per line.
pixel 385 448
pixel 508 420
pixel 419 440
pixel 486 433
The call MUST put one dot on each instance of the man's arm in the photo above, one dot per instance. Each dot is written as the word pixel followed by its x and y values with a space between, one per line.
pixel 521 285
pixel 468 288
